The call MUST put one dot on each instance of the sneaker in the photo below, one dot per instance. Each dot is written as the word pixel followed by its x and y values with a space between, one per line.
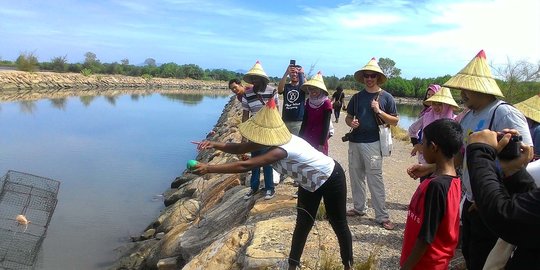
pixel 249 194
pixel 270 194
pixel 353 212
pixel 295 195
pixel 388 225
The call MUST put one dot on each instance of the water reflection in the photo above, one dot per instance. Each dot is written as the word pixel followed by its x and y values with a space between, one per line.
pixel 27 106
pixel 59 103
pixel 188 99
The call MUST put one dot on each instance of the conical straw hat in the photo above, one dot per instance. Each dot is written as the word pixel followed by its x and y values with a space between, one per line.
pixel 530 108
pixel 476 76
pixel 317 82
pixel 443 96
pixel 266 127
pixel 256 70
pixel 370 66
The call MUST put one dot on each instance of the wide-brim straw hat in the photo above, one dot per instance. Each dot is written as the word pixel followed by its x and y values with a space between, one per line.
pixel 316 81
pixel 266 127
pixel 530 108
pixel 476 76
pixel 257 71
pixel 443 96
pixel 372 65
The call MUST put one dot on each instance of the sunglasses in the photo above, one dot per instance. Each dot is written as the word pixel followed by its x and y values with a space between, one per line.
pixel 372 75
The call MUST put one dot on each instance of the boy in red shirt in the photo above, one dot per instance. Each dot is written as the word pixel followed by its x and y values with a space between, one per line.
pixel 432 228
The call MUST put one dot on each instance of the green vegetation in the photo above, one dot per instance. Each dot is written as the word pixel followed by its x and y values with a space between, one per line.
pixel 27 62
pixel 519 80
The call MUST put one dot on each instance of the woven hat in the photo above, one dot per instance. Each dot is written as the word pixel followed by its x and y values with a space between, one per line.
pixel 443 96
pixel 372 65
pixel 476 76
pixel 258 71
pixel 266 127
pixel 530 108
pixel 315 81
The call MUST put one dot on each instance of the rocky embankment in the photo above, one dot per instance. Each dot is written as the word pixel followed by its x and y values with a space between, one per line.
pixel 19 85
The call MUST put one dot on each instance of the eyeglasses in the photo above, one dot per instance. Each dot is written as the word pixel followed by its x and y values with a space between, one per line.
pixel 372 75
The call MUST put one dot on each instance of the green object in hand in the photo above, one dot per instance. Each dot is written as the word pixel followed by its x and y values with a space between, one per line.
pixel 191 164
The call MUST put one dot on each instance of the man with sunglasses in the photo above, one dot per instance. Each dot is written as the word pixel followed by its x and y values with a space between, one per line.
pixel 366 110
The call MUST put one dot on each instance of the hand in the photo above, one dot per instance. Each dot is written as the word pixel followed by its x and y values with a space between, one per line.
pixel 419 170
pixel 488 137
pixel 375 106
pixel 509 167
pixel 200 169
pixel 417 148
pixel 355 123
pixel 203 145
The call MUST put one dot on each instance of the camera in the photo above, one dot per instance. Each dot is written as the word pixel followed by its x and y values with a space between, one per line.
pixel 346 137
pixel 292 63
pixel 512 149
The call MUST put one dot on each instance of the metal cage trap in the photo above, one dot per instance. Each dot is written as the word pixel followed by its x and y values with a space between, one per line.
pixel 27 203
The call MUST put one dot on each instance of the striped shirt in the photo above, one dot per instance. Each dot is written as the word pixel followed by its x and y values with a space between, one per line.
pixel 305 164
pixel 251 101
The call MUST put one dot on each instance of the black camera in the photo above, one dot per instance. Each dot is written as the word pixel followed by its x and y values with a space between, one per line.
pixel 512 149
pixel 292 62
pixel 346 137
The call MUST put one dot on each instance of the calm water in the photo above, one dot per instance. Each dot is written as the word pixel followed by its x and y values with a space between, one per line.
pixel 113 155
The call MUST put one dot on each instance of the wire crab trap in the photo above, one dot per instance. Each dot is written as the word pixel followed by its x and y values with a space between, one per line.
pixel 27 203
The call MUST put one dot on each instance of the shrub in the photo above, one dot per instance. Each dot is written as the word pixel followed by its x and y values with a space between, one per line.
pixel 86 72
pixel 27 62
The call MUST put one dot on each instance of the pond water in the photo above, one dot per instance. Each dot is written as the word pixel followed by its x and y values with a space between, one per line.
pixel 113 156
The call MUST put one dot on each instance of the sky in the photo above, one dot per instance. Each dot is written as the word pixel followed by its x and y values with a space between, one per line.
pixel 424 38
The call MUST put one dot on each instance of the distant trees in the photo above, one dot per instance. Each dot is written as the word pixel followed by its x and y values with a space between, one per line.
pixel 518 80
pixel 27 61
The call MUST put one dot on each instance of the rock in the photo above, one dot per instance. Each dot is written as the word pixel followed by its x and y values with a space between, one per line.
pixel 225 216
pixel 168 264
pixel 148 234
pixel 223 253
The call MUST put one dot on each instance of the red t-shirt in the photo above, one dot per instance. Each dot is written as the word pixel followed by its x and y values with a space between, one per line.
pixel 433 217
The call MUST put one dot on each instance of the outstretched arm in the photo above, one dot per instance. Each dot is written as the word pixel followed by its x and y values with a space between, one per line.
pixel 273 155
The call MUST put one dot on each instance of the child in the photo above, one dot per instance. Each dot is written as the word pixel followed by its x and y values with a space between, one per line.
pixel 432 228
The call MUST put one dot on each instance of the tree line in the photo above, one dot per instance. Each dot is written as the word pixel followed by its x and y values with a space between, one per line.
pixel 519 80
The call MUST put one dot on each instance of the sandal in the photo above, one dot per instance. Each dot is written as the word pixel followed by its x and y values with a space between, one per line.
pixel 388 225
pixel 353 212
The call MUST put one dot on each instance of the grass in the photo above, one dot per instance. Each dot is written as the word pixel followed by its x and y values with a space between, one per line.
pixel 332 263
pixel 399 134
pixel 321 213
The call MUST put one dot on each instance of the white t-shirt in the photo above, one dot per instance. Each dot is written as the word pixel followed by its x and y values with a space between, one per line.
pixel 506 116
pixel 305 164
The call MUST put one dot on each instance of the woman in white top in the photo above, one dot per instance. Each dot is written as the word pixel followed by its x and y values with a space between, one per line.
pixel 319 176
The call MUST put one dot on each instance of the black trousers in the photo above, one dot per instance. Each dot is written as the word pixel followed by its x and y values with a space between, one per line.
pixel 478 240
pixel 334 193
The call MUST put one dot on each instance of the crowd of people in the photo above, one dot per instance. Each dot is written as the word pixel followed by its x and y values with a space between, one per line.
pixel 468 189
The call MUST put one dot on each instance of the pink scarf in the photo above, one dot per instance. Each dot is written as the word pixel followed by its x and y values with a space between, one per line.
pixel 430 115
pixel 435 88
pixel 318 101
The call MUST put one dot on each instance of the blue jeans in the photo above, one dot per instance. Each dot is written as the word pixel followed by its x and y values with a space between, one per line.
pixel 256 174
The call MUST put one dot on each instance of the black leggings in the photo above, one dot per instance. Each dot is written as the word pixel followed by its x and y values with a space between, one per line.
pixel 334 193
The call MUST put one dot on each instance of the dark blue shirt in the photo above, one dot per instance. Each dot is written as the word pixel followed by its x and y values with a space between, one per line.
pixel 294 100
pixel 360 107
